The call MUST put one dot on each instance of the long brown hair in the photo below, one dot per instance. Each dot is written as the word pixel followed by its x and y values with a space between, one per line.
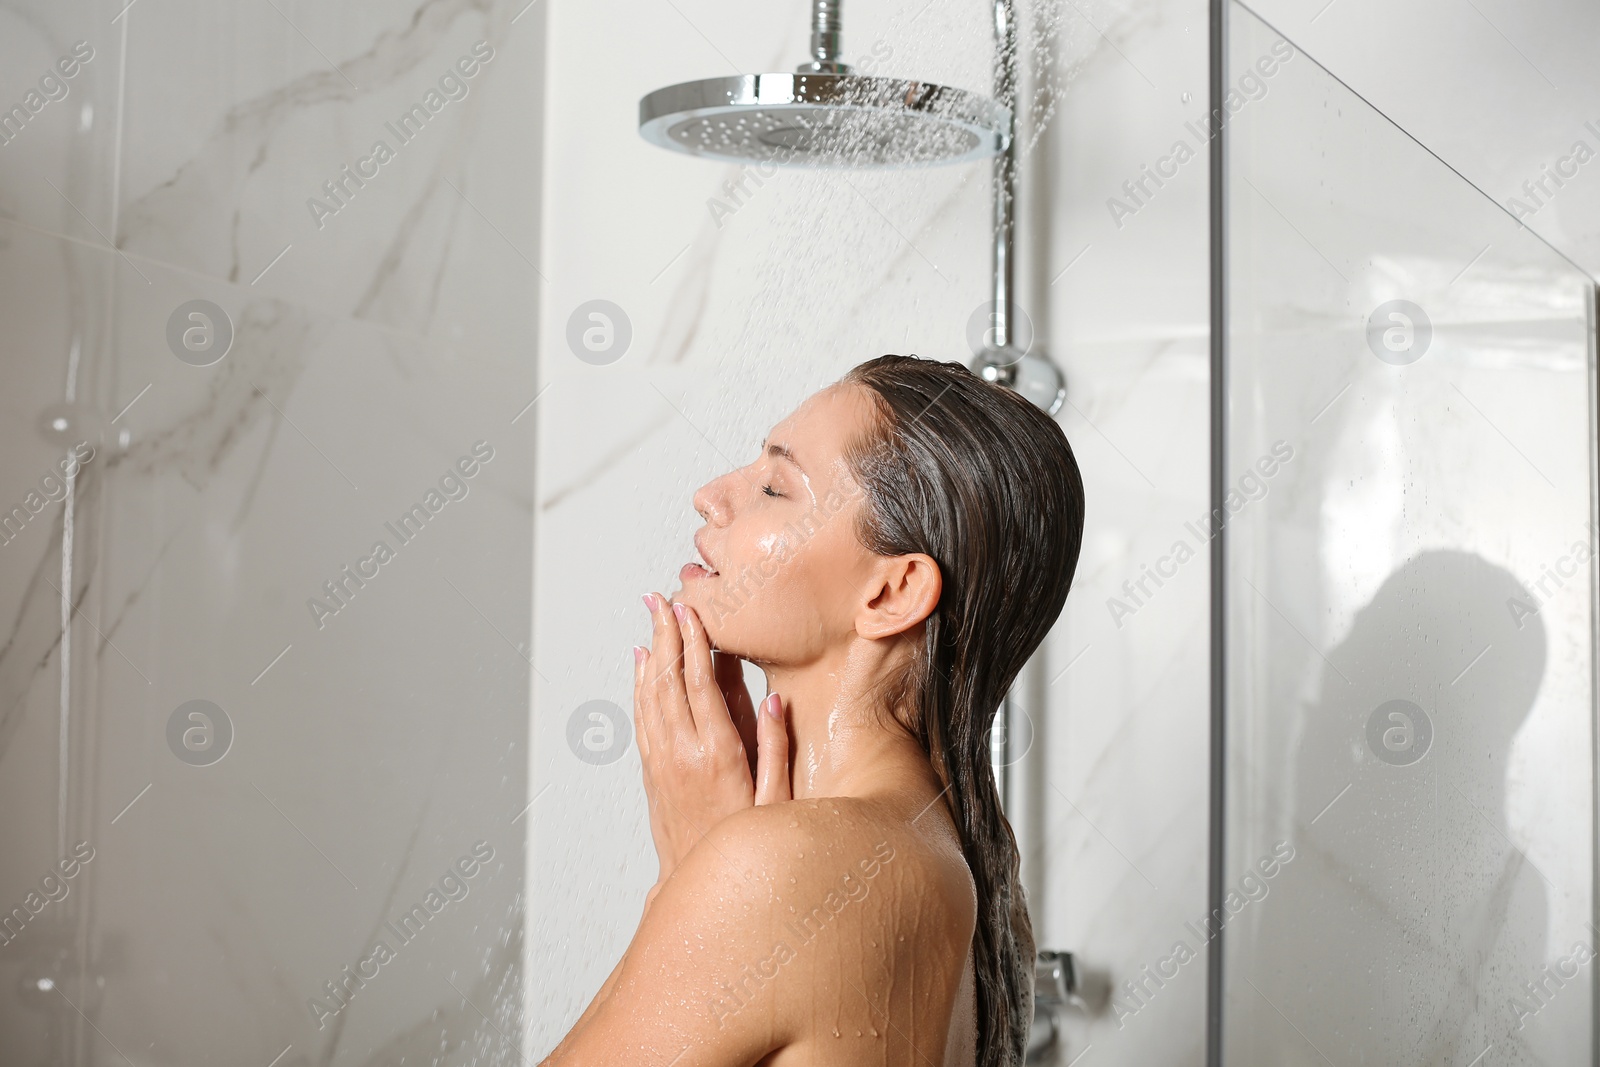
pixel 985 483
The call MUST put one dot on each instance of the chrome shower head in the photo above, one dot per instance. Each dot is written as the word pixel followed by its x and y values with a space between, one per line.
pixel 824 115
pixel 825 118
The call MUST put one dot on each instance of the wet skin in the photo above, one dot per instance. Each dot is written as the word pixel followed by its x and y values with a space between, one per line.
pixel 813 904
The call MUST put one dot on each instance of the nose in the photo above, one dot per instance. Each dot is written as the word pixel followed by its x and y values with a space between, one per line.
pixel 712 502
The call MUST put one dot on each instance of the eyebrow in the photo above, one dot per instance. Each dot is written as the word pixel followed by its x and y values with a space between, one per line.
pixel 777 451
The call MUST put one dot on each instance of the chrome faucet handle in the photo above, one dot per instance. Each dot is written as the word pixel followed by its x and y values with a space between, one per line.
pixel 1055 980
pixel 1055 986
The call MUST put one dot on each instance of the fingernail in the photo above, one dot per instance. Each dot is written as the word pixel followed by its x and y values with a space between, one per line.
pixel 774 706
pixel 639 653
pixel 649 602
pixel 680 611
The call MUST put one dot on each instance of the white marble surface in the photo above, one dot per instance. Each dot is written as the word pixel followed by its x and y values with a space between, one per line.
pixel 381 745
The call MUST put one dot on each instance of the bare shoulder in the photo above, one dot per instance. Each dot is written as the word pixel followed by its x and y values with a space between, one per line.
pixel 771 914
pixel 858 881
pixel 819 845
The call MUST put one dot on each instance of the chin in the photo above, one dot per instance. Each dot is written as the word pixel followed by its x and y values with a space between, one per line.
pixel 736 623
pixel 700 594
pixel 723 627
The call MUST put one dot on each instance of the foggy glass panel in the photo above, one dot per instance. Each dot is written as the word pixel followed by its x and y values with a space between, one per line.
pixel 1410 640
pixel 262 779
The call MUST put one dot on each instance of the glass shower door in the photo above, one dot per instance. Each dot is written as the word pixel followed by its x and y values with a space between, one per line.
pixel 1409 817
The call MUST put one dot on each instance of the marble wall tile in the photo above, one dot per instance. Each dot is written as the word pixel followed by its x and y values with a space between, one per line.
pixel 225 181
pixel 372 747
pixel 375 752
pixel 58 154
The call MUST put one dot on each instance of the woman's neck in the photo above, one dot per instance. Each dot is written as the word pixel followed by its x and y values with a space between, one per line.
pixel 841 742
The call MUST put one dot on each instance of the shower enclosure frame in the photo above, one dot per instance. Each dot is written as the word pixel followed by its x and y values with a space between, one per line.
pixel 1217 164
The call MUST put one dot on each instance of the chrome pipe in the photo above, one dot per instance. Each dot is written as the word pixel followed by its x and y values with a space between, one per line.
pixel 1000 751
pixel 1000 315
pixel 1005 173
pixel 827 36
pixel 1009 357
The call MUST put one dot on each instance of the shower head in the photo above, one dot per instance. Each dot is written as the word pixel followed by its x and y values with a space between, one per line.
pixel 825 115
pixel 825 118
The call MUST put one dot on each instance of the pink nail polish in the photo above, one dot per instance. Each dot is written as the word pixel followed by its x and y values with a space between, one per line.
pixel 639 653
pixel 680 611
pixel 649 601
pixel 774 705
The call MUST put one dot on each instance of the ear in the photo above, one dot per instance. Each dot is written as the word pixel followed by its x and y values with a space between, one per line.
pixel 904 590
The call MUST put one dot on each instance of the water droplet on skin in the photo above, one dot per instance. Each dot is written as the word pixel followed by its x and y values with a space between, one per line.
pixel 836 1032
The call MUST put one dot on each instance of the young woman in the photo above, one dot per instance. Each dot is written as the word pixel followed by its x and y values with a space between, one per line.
pixel 838 883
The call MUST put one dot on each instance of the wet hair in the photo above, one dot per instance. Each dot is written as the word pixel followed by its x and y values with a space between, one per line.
pixel 978 478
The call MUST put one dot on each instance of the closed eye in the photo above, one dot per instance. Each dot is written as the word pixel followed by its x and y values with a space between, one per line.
pixel 767 489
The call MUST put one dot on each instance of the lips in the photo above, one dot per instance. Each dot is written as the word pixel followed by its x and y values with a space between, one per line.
pixel 706 562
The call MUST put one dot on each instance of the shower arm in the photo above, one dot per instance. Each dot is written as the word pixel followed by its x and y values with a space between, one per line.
pixel 827 31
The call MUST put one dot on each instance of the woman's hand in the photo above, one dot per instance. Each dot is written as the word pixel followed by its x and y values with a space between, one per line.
pixel 699 765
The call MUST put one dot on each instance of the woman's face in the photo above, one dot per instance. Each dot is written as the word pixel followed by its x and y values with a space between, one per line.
pixel 781 573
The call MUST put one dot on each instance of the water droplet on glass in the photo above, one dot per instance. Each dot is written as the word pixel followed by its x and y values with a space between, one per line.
pixel 65 425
